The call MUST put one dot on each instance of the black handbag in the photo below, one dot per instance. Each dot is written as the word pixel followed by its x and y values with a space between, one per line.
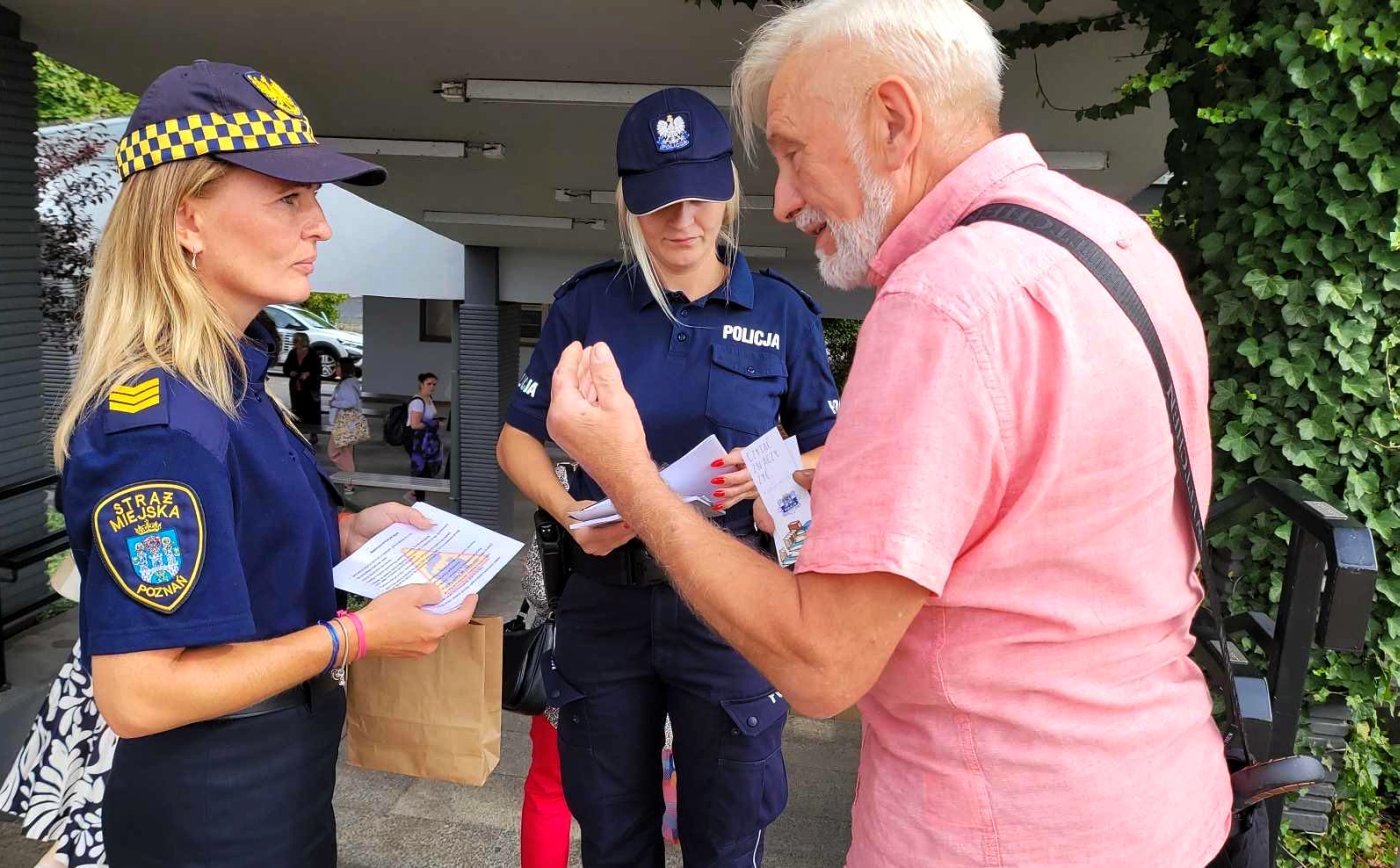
pixel 525 651
pixel 1249 842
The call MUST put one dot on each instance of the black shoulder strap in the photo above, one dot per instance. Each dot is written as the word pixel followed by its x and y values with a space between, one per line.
pixel 1102 266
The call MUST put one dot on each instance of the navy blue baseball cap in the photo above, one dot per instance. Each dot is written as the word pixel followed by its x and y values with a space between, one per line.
pixel 238 115
pixel 674 145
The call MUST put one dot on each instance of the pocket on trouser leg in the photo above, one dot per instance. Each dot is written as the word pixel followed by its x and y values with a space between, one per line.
pixel 575 742
pixel 750 784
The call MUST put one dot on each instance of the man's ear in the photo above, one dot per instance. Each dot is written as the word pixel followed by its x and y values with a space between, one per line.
pixel 898 123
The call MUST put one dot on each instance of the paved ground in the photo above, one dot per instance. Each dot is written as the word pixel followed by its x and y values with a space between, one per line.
pixel 391 821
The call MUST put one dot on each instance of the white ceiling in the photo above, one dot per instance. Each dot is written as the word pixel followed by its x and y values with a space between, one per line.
pixel 367 69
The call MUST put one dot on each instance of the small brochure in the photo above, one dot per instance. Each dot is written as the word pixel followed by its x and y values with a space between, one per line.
pixel 772 460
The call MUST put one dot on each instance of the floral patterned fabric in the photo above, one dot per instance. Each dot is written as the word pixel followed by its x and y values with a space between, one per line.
pixel 56 784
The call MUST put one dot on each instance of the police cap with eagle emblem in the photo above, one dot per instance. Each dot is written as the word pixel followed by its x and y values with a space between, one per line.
pixel 674 145
pixel 236 114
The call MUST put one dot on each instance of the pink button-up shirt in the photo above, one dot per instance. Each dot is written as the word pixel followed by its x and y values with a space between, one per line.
pixel 1003 442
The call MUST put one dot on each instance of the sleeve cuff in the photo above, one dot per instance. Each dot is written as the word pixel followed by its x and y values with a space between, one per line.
pixel 527 421
pixel 224 631
pixel 899 555
pixel 815 436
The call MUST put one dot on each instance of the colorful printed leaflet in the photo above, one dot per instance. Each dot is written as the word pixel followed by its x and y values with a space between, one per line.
pixel 456 555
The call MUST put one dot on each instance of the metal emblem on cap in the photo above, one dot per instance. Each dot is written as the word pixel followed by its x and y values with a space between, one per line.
pixel 673 133
pixel 274 93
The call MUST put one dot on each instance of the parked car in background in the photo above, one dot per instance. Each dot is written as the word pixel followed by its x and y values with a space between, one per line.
pixel 329 343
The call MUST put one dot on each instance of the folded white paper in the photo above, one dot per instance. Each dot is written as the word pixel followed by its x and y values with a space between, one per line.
pixel 689 476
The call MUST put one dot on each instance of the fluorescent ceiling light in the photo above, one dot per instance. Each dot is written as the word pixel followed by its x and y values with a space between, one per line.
pixel 763 252
pixel 561 92
pixel 1076 161
pixel 410 148
pixel 609 197
pixel 520 221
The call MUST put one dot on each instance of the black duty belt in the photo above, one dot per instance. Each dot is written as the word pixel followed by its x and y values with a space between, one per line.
pixel 293 697
pixel 630 565
pixel 633 566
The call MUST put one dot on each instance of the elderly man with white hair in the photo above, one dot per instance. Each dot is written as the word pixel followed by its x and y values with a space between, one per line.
pixel 1000 568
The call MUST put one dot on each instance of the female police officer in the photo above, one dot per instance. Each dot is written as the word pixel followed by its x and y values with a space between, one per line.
pixel 706 347
pixel 204 532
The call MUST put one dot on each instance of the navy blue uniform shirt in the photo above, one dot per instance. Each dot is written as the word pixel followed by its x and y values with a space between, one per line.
pixel 743 358
pixel 191 528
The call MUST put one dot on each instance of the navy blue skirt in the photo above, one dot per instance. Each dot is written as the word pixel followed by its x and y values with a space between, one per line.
pixel 223 793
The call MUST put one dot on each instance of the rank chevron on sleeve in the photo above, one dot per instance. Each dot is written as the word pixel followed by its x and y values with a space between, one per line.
pixel 134 399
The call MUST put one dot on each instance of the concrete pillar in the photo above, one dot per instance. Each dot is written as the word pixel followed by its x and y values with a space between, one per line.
pixel 488 350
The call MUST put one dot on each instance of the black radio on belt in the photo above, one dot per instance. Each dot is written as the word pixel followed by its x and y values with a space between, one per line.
pixel 554 558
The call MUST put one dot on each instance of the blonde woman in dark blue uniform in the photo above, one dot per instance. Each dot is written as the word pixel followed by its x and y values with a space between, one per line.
pixel 707 346
pixel 204 532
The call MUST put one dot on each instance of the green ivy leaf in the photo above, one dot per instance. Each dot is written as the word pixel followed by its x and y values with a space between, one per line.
pixel 1306 75
pixel 1368 93
pixel 1334 247
pixel 1351 212
pixel 1239 442
pixel 1384 174
pixel 1299 454
pixel 1300 247
pixel 1251 350
pixel 1361 144
pixel 1347 331
pixel 1352 182
pixel 1293 373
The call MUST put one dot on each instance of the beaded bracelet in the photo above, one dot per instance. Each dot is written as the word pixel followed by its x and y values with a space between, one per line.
pixel 335 646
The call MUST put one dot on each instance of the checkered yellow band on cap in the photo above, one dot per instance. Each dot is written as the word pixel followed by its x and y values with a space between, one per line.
pixel 197 135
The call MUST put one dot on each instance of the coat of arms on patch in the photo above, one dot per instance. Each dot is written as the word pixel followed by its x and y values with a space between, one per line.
pixel 155 555
pixel 151 539
pixel 672 133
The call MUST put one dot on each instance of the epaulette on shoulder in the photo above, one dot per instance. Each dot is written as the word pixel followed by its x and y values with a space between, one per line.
pixel 158 398
pixel 610 266
pixel 801 293
pixel 142 403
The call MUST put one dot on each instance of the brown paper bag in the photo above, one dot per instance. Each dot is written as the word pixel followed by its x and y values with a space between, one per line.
pixel 433 717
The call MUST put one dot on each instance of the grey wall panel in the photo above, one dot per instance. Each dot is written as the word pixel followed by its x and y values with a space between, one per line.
pixel 24 447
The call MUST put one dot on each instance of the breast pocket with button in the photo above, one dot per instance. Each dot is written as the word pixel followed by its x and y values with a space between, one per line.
pixel 746 389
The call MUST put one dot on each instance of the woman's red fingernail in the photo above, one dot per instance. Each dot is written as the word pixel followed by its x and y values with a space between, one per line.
pixel 717 508
pixel 718 480
pixel 719 494
pixel 718 462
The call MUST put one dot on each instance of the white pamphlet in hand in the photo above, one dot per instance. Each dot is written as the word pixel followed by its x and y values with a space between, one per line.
pixel 456 555
pixel 772 461
pixel 689 476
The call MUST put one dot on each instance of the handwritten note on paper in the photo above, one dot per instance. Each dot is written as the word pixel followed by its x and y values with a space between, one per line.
pixel 772 461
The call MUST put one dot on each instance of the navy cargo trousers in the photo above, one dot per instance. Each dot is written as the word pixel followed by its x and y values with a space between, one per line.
pixel 625 657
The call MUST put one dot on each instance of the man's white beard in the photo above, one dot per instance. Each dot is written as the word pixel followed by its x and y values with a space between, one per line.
pixel 857 241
